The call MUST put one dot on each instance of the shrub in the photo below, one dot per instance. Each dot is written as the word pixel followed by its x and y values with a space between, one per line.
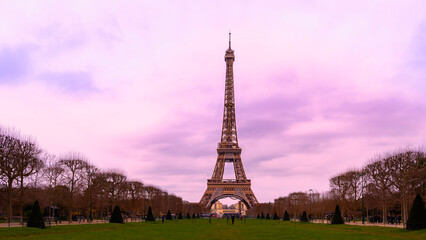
pixel 169 215
pixel 180 216
pixel 116 216
pixel 258 216
pixel 304 218
pixel 275 217
pixel 337 217
pixel 267 216
pixel 262 216
pixel 36 220
pixel 286 216
pixel 188 216
pixel 150 216
pixel 417 217
pixel 193 215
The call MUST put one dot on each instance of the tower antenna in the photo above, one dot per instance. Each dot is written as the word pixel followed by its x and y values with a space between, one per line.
pixel 229 39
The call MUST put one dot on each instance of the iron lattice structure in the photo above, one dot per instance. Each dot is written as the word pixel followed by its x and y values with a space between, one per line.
pixel 229 151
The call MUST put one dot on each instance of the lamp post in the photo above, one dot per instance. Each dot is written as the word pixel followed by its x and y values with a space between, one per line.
pixel 310 204
pixel 362 196
pixel 89 173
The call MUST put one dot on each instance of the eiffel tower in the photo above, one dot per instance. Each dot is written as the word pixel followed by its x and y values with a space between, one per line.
pixel 228 151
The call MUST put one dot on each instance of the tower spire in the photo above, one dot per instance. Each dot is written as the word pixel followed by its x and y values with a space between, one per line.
pixel 229 128
pixel 229 39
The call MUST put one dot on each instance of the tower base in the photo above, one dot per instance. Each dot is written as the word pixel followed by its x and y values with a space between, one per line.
pixel 218 189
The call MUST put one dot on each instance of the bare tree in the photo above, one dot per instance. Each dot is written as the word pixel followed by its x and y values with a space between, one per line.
pixel 135 192
pixel 353 179
pixel 154 198
pixel 281 204
pixel 20 158
pixel 378 173
pixel 100 190
pixel 91 172
pixel 30 162
pixel 175 204
pixel 299 201
pixel 8 160
pixel 339 188
pixel 53 172
pixel 406 175
pixel 115 183
pixel 74 166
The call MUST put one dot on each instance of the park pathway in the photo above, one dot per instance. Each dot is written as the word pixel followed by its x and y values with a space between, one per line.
pixel 96 221
pixel 359 223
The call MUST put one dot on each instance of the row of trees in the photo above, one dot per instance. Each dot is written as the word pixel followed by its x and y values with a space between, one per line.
pixel 385 186
pixel 66 185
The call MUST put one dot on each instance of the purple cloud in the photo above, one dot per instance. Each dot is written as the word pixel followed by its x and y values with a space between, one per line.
pixel 70 82
pixel 14 64
pixel 381 117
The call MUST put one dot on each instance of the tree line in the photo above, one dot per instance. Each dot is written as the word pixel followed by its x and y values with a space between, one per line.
pixel 385 186
pixel 66 185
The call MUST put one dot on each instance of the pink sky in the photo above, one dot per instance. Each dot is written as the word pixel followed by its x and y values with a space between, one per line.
pixel 321 86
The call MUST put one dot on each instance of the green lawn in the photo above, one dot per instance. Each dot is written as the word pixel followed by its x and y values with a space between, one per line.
pixel 219 229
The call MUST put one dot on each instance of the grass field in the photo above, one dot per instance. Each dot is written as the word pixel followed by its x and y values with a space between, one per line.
pixel 218 229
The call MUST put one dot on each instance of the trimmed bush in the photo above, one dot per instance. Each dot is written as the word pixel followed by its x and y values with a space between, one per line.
pixel 275 216
pixel 267 216
pixel 304 218
pixel 286 216
pixel 150 216
pixel 417 217
pixel 169 215
pixel 180 216
pixel 35 219
pixel 194 216
pixel 262 216
pixel 337 217
pixel 258 216
pixel 188 216
pixel 116 216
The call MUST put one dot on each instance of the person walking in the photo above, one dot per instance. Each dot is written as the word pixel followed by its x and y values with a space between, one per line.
pixel 233 219
pixel 162 219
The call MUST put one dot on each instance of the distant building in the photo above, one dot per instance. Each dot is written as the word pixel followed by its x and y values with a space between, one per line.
pixel 217 208
pixel 241 208
pixel 220 210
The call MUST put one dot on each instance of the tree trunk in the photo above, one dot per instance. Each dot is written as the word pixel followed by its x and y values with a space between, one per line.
pixel 404 211
pixel 70 210
pixel 50 201
pixel 102 208
pixel 71 198
pixel 354 214
pixel 10 203
pixel 383 207
pixel 133 209
pixel 384 213
pixel 366 208
pixel 22 200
